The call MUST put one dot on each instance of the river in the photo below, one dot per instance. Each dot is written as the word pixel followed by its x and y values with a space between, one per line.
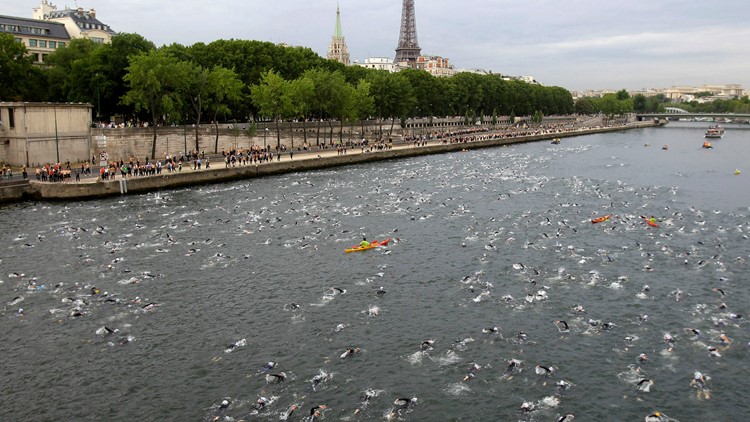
pixel 200 288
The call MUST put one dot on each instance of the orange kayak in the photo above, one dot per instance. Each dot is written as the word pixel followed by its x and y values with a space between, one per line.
pixel 650 223
pixel 373 244
pixel 600 219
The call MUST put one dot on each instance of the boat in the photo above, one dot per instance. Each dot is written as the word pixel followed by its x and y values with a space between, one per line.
pixel 600 219
pixel 556 141
pixel 707 144
pixel 651 222
pixel 373 244
pixel 714 132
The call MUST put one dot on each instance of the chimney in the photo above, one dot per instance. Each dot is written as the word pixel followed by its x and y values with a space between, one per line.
pixel 92 12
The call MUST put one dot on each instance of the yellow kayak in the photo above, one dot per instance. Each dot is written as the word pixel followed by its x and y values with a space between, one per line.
pixel 374 244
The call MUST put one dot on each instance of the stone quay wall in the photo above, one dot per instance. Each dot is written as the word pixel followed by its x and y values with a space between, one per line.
pixel 100 189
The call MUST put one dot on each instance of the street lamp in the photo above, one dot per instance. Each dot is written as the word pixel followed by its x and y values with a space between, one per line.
pixel 265 132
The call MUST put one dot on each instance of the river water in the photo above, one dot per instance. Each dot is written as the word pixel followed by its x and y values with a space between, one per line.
pixel 200 288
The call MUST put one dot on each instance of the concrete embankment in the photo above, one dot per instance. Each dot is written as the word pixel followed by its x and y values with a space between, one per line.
pixel 92 188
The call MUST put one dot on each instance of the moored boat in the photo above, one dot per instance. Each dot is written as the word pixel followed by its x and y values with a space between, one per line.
pixel 714 132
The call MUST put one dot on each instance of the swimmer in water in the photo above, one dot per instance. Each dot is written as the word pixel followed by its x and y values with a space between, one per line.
pixel 700 382
pixel 315 412
pixel 427 344
pixel 275 378
pixel 527 407
pixel 562 326
pixel 567 418
pixel 655 417
pixel 471 372
pixel 544 370
pixel 644 385
pixel 401 405
pixel 490 330
pixel 267 367
pixel 725 341
pixel 350 352
pixel 713 352
pixel 513 366
pixel 642 358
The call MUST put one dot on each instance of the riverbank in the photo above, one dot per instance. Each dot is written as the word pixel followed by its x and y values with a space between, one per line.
pixel 92 188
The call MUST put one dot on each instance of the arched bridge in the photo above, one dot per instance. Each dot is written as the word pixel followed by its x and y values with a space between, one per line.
pixel 685 114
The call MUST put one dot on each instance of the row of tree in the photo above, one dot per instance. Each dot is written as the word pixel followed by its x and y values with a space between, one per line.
pixel 238 79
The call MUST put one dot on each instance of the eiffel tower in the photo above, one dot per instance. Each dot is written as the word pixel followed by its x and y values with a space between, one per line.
pixel 408 47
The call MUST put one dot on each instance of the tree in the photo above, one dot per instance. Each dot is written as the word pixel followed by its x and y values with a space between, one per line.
pixel 272 99
pixel 639 103
pixel 155 81
pixel 224 87
pixel 301 93
pixel 361 103
pixel 15 66
pixel 622 95
pixel 586 105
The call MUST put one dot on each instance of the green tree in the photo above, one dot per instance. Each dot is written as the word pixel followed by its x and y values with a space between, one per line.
pixel 622 95
pixel 586 105
pixel 15 67
pixel 301 93
pixel 272 99
pixel 155 81
pixel 640 103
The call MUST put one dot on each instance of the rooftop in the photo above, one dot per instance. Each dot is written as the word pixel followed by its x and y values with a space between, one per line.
pixel 32 27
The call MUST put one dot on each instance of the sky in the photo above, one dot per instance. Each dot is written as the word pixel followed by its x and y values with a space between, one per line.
pixel 575 44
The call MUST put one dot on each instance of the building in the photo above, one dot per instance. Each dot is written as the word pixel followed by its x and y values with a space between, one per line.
pixel 378 63
pixel 78 22
pixel 39 133
pixel 337 49
pixel 40 37
pixel 435 65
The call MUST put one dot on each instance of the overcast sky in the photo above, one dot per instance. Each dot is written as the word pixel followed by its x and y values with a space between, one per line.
pixel 576 44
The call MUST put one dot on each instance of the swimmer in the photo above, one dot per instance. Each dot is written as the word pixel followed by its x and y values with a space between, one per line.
pixel 513 365
pixel 490 330
pixel 427 344
pixel 284 416
pixel 365 400
pixel 260 404
pixel 562 386
pixel 350 352
pixel 696 332
pixel 608 326
pixel 644 385
pixel 521 337
pixel 714 352
pixel 716 289
pixel 380 291
pixel 267 367
pixel 527 407
pixel 655 417
pixel 20 313
pixel 404 403
pixel 471 371
pixel 567 418
pixel 315 412
pixel 700 382
pixel 642 358
pixel 544 370
pixel 562 326
pixel 275 378
pixel 579 309
pixel 725 341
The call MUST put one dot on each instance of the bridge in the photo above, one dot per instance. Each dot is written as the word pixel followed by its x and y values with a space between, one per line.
pixel 673 112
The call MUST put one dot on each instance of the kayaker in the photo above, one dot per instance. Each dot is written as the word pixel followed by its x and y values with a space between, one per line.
pixel 652 219
pixel 364 243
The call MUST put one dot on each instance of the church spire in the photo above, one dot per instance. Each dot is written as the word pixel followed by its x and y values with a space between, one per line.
pixel 337 50
pixel 338 33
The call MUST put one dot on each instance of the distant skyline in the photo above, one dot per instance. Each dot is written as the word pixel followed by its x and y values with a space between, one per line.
pixel 575 44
